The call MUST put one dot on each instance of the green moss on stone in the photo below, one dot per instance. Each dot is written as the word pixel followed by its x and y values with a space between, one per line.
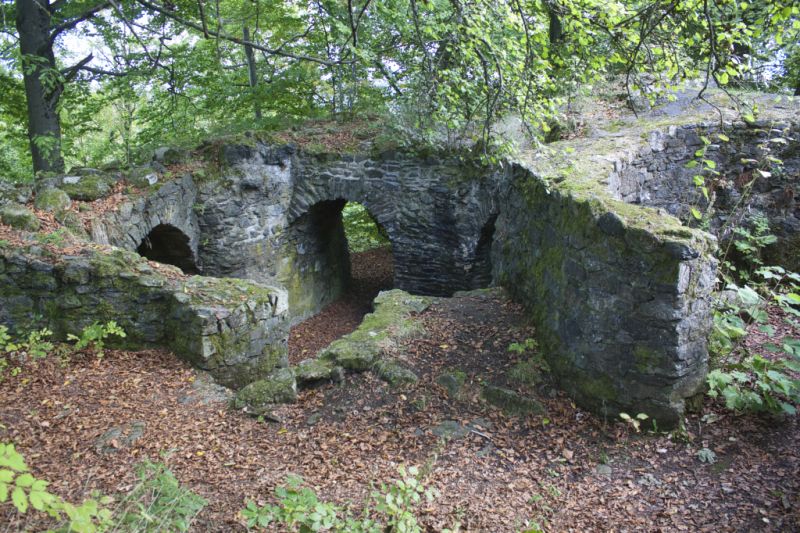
pixel 19 217
pixel 599 388
pixel 52 200
pixel 392 372
pixel 646 358
pixel 280 387
pixel 114 263
pixel 313 370
pixel 392 320
pixel 453 382
pixel 528 372
pixel 89 188
pixel 511 402
pixel 351 354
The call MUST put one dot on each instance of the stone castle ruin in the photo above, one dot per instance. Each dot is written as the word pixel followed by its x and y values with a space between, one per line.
pixel 583 233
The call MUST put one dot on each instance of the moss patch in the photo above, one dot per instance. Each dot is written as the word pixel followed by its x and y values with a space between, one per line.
pixel 453 382
pixel 511 402
pixel 392 372
pixel 19 217
pixel 392 320
pixel 89 188
pixel 52 200
pixel 280 387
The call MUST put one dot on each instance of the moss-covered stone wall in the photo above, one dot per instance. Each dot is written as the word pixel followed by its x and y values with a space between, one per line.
pixel 235 329
pixel 620 295
pixel 756 172
pixel 582 232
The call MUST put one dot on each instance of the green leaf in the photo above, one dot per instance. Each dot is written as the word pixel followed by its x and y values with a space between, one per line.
pixel 20 500
pixel 24 480
pixel 37 501
pixel 767 329
pixel 696 213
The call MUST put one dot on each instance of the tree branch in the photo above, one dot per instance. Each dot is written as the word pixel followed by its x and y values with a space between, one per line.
pixel 230 38
pixel 388 77
pixel 203 18
pixel 70 72
pixel 77 19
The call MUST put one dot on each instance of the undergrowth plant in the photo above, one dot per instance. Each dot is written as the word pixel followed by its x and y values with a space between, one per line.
pixel 156 503
pixel 35 346
pixel 27 492
pixel 756 382
pixel 393 507
pixel 94 336
pixel 749 382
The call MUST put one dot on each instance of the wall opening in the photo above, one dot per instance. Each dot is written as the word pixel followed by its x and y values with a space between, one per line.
pixel 169 245
pixel 482 266
pixel 371 259
pixel 346 261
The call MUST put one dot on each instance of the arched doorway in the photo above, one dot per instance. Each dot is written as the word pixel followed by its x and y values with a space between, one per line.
pixel 342 260
pixel 169 245
pixel 370 251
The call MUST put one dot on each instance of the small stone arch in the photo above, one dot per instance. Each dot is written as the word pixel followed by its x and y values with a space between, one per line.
pixel 167 244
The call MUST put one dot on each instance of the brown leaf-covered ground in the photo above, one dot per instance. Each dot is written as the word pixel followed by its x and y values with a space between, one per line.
pixel 567 470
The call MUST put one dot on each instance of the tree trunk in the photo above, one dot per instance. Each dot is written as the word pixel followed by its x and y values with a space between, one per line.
pixel 251 71
pixel 555 31
pixel 43 85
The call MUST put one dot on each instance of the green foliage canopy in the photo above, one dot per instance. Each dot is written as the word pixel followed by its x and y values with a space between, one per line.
pixel 442 70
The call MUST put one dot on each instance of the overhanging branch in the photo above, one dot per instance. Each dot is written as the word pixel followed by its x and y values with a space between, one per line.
pixel 77 19
pixel 231 38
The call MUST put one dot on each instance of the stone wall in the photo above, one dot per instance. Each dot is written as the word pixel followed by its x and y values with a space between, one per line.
pixel 657 176
pixel 170 203
pixel 234 329
pixel 620 293
pixel 622 310
pixel 274 215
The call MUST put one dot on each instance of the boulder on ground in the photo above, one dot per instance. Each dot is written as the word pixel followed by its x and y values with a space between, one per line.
pixel 52 200
pixel 279 387
pixel 19 217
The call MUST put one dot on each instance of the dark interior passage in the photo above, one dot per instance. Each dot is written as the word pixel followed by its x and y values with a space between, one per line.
pixel 169 245
pixel 482 267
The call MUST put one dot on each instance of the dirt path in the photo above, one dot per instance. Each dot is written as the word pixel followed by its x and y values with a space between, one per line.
pixel 566 470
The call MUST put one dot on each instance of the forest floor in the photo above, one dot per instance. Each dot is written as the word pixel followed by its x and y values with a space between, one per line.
pixel 566 470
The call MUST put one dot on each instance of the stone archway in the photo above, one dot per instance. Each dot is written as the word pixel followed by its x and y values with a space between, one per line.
pixel 316 267
pixel 169 245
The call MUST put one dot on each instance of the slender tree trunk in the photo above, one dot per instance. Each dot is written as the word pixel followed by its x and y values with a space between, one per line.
pixel 555 30
pixel 251 71
pixel 42 87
